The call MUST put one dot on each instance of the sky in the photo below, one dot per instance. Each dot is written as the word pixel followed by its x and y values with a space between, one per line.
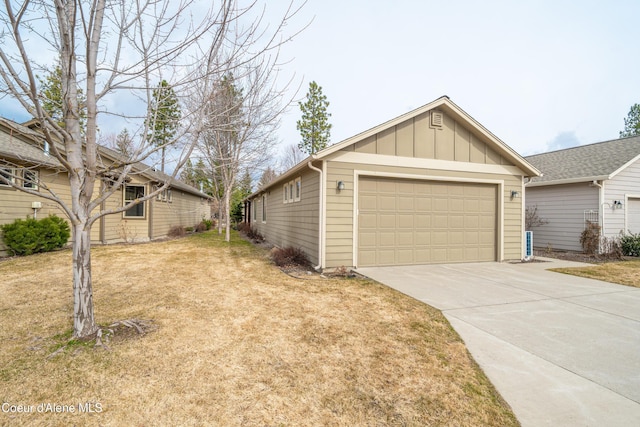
pixel 540 75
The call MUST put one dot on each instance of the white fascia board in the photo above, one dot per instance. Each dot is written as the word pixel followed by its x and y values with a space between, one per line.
pixel 567 181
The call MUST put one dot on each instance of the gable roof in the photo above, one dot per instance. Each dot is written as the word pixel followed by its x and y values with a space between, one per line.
pixel 593 162
pixel 19 144
pixel 24 144
pixel 443 103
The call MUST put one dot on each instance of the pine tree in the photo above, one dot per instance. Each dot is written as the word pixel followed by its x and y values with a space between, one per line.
pixel 314 125
pixel 632 122
pixel 124 143
pixel 51 94
pixel 164 117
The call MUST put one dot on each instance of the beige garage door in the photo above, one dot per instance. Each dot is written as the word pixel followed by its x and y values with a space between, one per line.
pixel 403 222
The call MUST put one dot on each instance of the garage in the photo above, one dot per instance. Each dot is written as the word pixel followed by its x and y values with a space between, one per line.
pixel 633 215
pixel 403 221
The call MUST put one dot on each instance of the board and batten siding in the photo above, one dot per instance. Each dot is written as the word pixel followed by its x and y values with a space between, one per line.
pixel 563 206
pixel 621 187
pixel 294 223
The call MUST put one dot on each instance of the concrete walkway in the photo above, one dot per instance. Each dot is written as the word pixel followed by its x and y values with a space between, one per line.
pixel 561 350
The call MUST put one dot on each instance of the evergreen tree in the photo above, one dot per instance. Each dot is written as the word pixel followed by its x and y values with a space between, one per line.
pixel 632 122
pixel 314 125
pixel 52 96
pixel 164 117
pixel 124 143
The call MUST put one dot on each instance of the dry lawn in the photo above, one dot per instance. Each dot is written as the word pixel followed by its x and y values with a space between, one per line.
pixel 237 343
pixel 624 272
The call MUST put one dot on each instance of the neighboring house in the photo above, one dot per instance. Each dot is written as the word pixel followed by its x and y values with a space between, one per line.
pixel 596 182
pixel 24 155
pixel 430 186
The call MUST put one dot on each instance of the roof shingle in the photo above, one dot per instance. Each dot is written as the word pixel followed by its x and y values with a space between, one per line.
pixel 585 162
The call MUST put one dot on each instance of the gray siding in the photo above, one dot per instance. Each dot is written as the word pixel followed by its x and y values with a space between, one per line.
pixel 563 206
pixel 291 224
pixel 626 183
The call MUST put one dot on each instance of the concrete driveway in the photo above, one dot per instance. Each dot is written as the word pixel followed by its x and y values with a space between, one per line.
pixel 561 350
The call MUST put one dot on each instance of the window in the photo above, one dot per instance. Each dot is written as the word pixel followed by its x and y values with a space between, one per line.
pixel 169 195
pixel 46 148
pixel 254 208
pixel 264 208
pixel 298 189
pixel 285 193
pixel 30 179
pixel 131 193
pixel 291 191
pixel 7 174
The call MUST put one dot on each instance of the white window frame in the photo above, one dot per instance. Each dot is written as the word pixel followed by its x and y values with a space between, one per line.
pixel 264 208
pixel 10 172
pixel 285 193
pixel 291 191
pixel 31 183
pixel 169 195
pixel 126 201
pixel 298 189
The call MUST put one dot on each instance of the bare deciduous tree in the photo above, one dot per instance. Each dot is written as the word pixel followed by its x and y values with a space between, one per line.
pixel 118 47
pixel 244 109
pixel 291 157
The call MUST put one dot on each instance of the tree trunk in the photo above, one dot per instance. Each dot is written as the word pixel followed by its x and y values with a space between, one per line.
pixel 84 324
pixel 220 211
pixel 227 216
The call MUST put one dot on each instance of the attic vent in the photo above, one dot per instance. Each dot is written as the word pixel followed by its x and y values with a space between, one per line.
pixel 436 119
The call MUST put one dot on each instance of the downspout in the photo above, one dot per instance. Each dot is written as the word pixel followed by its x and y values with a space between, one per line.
pixel 320 216
pixel 600 203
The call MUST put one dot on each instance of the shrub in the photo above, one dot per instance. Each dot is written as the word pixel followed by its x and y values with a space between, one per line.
pixel 610 248
pixel 201 227
pixel 208 223
pixel 590 238
pixel 289 256
pixel 254 235
pixel 177 231
pixel 630 244
pixel 30 236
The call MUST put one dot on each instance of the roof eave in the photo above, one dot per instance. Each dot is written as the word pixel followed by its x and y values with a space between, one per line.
pixel 568 181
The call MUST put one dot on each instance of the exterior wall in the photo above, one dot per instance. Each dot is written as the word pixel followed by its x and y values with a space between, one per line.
pixel 15 204
pixel 184 209
pixel 340 206
pixel 291 224
pixel 563 206
pixel 621 187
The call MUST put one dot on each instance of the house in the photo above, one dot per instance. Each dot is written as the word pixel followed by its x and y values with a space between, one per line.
pixel 25 161
pixel 430 186
pixel 597 182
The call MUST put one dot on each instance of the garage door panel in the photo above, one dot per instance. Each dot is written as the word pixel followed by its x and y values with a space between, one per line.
pixel 369 203
pixel 386 239
pixel 387 221
pixel 405 239
pixel 415 222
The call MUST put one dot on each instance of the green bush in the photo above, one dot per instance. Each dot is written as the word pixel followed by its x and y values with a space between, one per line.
pixel 30 236
pixel 630 244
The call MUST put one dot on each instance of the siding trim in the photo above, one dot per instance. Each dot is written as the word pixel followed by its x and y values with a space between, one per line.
pixel 500 214
pixel 415 162
pixel 626 209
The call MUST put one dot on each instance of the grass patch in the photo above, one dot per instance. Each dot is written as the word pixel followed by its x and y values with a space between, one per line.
pixel 623 273
pixel 235 342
